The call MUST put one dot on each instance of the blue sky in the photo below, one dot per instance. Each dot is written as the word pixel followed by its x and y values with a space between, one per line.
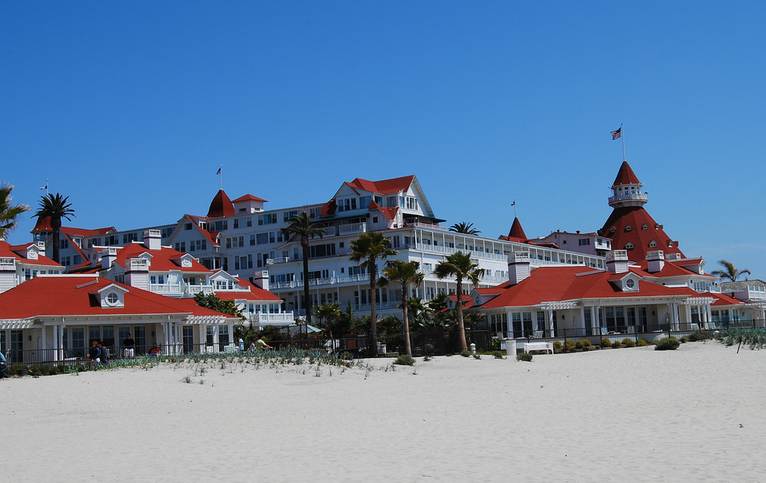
pixel 128 107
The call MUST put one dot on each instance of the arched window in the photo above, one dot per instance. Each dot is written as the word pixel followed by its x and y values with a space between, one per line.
pixel 628 228
pixel 629 246
pixel 652 244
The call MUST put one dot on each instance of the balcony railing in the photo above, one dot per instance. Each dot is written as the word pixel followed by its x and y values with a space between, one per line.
pixel 628 197
pixel 278 319
pixel 7 264
pixel 166 288
pixel 352 228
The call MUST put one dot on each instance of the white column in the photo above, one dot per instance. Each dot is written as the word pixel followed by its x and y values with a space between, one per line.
pixel 509 324
pixel 7 341
pixel 165 337
pixel 215 338
pixel 61 342
pixel 43 344
pixel 676 316
pixel 230 331
pixel 594 322
pixel 688 309
pixel 202 337
pixel 582 319
pixel 549 315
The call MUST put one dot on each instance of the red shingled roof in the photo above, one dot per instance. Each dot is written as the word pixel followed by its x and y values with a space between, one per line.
pixel 723 299
pixel 385 186
pixel 19 252
pixel 249 197
pixel 389 213
pixel 71 296
pixel 636 217
pixel 516 232
pixel 43 225
pixel 552 284
pixel 625 175
pixel 220 206
pixel 163 260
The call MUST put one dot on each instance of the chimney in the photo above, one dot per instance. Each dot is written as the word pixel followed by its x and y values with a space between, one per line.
pixel 617 261
pixel 655 261
pixel 153 239
pixel 261 279
pixel 518 267
pixel 108 257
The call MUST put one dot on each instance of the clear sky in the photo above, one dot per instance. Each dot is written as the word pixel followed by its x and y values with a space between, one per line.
pixel 129 107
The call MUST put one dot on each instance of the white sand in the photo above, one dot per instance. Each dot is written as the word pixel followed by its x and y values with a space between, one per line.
pixel 627 415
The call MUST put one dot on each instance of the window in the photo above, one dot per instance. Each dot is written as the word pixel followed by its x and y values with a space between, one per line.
pixel 267 219
pixel 630 283
pixel 236 223
pixel 187 226
pixel 64 243
pixel 582 241
pixel 289 215
pixel 628 228
pixel 644 226
pixel 629 246
pixel 112 298
pixel 652 244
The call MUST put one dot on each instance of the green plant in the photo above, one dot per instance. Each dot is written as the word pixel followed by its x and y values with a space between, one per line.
pixel 466 354
pixel 642 343
pixel 524 356
pixel 667 344
pixel 606 343
pixel 682 340
pixel 557 346
pixel 628 342
pixel 494 345
pixel 586 344
pixel 404 360
pixel 570 346
pixel 616 344
pixel 754 338
pixel 699 336
pixel 498 354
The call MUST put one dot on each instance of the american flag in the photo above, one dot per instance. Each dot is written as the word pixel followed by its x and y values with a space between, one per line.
pixel 617 133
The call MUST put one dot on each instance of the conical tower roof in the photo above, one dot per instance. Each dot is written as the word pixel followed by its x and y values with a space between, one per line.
pixel 220 206
pixel 625 175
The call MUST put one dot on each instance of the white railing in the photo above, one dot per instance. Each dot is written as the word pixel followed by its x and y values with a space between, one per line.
pixel 265 318
pixel 166 288
pixel 273 261
pixel 635 196
pixel 333 280
pixel 442 250
pixel 138 264
pixel 352 228
pixel 194 289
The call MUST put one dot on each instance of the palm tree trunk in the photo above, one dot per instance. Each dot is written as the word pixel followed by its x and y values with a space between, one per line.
pixel 460 325
pixel 306 296
pixel 373 307
pixel 406 320
pixel 56 236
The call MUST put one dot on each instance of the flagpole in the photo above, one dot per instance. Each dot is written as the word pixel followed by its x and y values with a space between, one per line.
pixel 622 138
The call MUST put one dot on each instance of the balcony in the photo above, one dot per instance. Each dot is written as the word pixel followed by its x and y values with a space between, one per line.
pixel 138 265
pixel 352 228
pixel 443 250
pixel 627 198
pixel 169 289
pixel 281 319
pixel 194 289
pixel 318 282
pixel 7 264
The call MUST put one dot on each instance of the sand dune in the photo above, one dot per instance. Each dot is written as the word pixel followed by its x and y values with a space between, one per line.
pixel 627 415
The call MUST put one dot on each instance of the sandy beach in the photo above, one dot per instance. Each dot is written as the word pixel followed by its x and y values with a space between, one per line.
pixel 627 415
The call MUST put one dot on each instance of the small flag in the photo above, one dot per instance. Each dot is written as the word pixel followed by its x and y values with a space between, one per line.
pixel 218 172
pixel 617 134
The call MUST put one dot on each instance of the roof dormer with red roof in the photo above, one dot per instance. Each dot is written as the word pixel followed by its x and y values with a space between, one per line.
pixel 220 206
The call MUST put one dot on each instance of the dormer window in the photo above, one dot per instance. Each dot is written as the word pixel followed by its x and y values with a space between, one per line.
pixel 628 228
pixel 629 246
pixel 630 283
pixel 612 229
pixel 670 244
pixel 112 298
pixel 644 227
pixel 652 244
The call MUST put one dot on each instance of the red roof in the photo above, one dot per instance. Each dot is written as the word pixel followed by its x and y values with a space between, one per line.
pixel 671 268
pixel 723 299
pixel 328 208
pixel 383 187
pixel 70 296
pixel 552 284
pixel 43 225
pixel 626 225
pixel 249 197
pixel 163 260
pixel 211 236
pixel 255 293
pixel 19 252
pixel 625 175
pixel 220 206
pixel 516 232
pixel 389 213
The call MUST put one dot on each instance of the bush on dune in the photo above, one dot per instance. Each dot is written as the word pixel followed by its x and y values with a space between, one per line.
pixel 667 344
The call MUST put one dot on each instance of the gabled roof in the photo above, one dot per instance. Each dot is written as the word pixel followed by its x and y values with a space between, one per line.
pixel 625 175
pixel 254 293
pixel 220 206
pixel 389 213
pixel 671 268
pixel 211 236
pixel 723 299
pixel 249 197
pixel 19 253
pixel 73 296
pixel 383 187
pixel 554 284
pixel 164 259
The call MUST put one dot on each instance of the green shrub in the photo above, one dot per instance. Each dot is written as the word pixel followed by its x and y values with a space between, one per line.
pixel 682 340
pixel 606 343
pixel 642 343
pixel 498 354
pixel 586 343
pixel 628 342
pixel 557 346
pixel 477 357
pixel 699 336
pixel 754 338
pixel 667 344
pixel 404 360
pixel 524 356
pixel 570 346
pixel 466 354
pixel 616 344
pixel 494 345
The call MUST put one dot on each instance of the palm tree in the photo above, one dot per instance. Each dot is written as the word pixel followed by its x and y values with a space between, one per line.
pixel 460 266
pixel 464 227
pixel 8 211
pixel 368 249
pixel 328 314
pixel 55 207
pixel 303 230
pixel 407 274
pixel 730 271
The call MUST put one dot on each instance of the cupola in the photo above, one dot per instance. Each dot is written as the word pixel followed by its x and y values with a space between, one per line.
pixel 626 189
